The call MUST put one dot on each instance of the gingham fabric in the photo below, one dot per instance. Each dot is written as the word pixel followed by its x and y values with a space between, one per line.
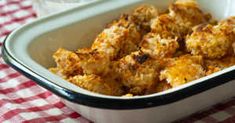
pixel 21 100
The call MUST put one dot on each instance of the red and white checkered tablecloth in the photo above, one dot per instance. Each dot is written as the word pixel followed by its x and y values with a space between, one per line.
pixel 21 100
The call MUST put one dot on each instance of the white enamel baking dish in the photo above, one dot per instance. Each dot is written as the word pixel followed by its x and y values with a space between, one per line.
pixel 29 50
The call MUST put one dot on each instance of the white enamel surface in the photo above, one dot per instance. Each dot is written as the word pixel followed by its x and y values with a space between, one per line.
pixel 34 44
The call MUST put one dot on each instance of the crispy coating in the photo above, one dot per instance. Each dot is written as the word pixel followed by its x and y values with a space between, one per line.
pixel 67 63
pixel 96 84
pixel 209 41
pixel 182 16
pixel 83 61
pixel 93 62
pixel 126 22
pixel 110 41
pixel 138 72
pixel 143 15
pixel 133 37
pixel 187 13
pixel 158 47
pixel 183 70
pixel 119 39
pixel 228 25
pixel 166 26
pixel 216 65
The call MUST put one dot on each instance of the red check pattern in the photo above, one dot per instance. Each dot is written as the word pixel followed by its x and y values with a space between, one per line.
pixel 21 100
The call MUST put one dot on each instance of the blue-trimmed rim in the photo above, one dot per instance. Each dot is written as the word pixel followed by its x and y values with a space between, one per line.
pixel 106 103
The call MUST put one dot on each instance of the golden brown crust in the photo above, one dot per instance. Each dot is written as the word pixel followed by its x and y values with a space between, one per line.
pixel 158 47
pixel 209 41
pixel 110 41
pixel 182 16
pixel 138 72
pixel 143 15
pixel 119 39
pixel 167 27
pixel 182 70
pixel 96 84
pixel 67 63
pixel 187 13
pixel 93 62
pixel 216 65
pixel 83 61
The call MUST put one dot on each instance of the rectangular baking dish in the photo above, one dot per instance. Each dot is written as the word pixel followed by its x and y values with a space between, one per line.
pixel 29 50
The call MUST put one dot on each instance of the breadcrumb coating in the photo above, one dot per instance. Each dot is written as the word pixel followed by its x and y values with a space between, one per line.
pixel 228 25
pixel 187 13
pixel 183 70
pixel 208 41
pixel 133 38
pixel 158 47
pixel 119 39
pixel 110 41
pixel 93 62
pixel 138 72
pixel 143 15
pixel 83 61
pixel 166 26
pixel 182 16
pixel 96 84
pixel 216 65
pixel 67 63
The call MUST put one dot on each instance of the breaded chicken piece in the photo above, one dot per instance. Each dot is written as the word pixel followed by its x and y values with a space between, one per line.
pixel 166 26
pixel 97 84
pixel 93 62
pixel 138 72
pixel 133 38
pixel 119 39
pixel 110 41
pixel 216 65
pixel 67 63
pixel 182 16
pixel 83 61
pixel 182 70
pixel 158 47
pixel 209 41
pixel 126 22
pixel 228 25
pixel 143 15
pixel 187 13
